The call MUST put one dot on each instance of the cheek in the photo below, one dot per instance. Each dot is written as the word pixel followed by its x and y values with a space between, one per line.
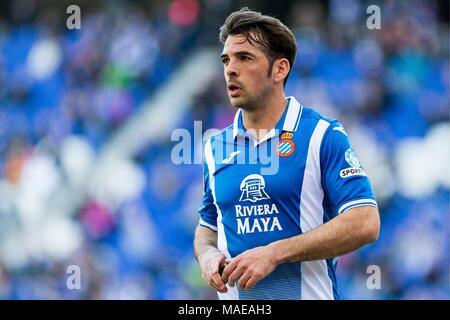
pixel 260 79
pixel 259 76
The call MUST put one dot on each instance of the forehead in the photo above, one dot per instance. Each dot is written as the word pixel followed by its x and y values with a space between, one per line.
pixel 239 43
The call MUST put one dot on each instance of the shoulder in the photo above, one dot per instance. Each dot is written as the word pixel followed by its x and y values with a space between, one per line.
pixel 322 123
pixel 311 114
pixel 329 132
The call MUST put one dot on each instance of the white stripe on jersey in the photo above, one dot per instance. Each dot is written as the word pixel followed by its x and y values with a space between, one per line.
pixel 232 293
pixel 316 284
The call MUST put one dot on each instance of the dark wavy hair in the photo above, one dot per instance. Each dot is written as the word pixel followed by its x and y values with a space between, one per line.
pixel 262 31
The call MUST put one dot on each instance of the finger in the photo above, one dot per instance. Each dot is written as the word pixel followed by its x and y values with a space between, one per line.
pixel 243 280
pixel 217 280
pixel 252 281
pixel 213 285
pixel 218 266
pixel 217 263
pixel 229 268
pixel 235 275
pixel 221 268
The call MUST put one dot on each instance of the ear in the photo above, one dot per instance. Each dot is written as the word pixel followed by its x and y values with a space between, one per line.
pixel 280 69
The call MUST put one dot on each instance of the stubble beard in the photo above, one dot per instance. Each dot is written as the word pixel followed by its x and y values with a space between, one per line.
pixel 249 102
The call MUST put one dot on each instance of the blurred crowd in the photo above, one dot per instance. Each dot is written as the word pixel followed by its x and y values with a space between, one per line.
pixel 65 93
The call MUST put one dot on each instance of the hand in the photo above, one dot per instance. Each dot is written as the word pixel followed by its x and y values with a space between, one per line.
pixel 249 267
pixel 210 263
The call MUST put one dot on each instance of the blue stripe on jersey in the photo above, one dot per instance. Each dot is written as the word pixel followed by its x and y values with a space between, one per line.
pixel 332 274
pixel 284 283
pixel 331 265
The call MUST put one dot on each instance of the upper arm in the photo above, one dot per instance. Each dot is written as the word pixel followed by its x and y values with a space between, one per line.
pixel 344 180
pixel 208 209
pixel 206 235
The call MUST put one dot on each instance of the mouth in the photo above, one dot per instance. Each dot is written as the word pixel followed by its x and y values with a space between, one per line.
pixel 233 90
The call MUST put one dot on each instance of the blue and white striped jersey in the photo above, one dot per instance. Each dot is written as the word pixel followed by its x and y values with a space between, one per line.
pixel 300 175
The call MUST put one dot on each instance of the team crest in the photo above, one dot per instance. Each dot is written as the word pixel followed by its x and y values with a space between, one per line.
pixel 285 147
pixel 252 188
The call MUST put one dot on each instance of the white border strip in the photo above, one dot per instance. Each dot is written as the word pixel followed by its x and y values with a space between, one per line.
pixel 361 202
pixel 299 118
pixel 292 115
pixel 236 123
pixel 206 224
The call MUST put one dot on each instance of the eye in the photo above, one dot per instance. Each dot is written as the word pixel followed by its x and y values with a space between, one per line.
pixel 225 60
pixel 245 58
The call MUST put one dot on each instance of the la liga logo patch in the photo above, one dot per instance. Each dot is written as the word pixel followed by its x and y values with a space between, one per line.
pixel 285 147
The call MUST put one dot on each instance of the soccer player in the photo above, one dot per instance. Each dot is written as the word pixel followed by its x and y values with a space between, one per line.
pixel 276 235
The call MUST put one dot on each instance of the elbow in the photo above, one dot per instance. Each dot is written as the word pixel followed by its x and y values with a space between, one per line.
pixel 371 227
pixel 371 234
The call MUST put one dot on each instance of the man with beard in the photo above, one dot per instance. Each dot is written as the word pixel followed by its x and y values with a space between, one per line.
pixel 277 236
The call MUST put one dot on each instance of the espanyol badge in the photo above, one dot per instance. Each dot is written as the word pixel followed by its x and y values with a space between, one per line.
pixel 285 147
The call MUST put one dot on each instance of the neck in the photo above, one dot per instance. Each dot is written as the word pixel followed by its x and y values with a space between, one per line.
pixel 260 121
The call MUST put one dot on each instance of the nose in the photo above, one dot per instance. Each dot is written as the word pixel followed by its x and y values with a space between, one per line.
pixel 231 69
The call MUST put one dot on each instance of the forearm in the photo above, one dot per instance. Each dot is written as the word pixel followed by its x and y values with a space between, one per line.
pixel 343 234
pixel 210 259
pixel 205 240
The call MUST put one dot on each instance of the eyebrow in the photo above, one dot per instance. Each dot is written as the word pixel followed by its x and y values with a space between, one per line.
pixel 223 55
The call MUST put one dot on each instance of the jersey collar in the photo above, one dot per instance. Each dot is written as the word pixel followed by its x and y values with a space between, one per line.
pixel 289 120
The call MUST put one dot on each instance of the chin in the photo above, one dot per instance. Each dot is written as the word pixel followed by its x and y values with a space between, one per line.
pixel 239 102
pixel 235 101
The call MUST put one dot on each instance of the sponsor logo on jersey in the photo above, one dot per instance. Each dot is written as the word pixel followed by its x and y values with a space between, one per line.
pixel 257 217
pixel 231 156
pixel 341 130
pixel 349 172
pixel 252 188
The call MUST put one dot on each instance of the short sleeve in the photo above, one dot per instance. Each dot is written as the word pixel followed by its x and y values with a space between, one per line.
pixel 344 180
pixel 207 210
